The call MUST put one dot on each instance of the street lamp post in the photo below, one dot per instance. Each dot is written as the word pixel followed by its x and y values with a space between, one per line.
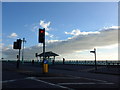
pixel 23 50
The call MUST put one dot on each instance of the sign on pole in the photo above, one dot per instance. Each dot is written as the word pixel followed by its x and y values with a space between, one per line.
pixel 95 58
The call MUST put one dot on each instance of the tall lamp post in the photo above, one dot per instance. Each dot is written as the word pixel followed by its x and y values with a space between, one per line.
pixel 23 50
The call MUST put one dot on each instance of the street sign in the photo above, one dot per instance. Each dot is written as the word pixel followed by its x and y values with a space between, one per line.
pixel 95 58
pixel 92 51
pixel 45 61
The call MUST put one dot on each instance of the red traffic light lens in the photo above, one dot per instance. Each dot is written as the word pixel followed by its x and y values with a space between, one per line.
pixel 41 31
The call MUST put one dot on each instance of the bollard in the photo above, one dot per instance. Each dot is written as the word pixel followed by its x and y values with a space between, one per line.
pixel 45 68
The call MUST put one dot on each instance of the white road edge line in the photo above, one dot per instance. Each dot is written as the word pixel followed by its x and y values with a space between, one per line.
pixel 34 78
pixel 82 83
pixel 7 81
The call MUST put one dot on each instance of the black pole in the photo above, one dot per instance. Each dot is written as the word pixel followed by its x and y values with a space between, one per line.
pixel 95 60
pixel 18 61
pixel 44 46
pixel 43 51
pixel 23 51
pixel 17 66
pixel 19 54
pixel 37 58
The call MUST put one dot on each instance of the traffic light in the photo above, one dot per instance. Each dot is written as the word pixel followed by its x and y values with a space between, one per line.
pixel 41 35
pixel 15 45
pixel 19 41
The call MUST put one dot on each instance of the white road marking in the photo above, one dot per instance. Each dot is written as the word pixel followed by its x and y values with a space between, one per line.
pixel 13 80
pixel 89 78
pixel 57 77
pixel 7 81
pixel 74 83
pixel 59 84
pixel 34 78
pixel 82 83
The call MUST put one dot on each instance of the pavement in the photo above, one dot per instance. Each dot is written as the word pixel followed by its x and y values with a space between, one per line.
pixel 68 77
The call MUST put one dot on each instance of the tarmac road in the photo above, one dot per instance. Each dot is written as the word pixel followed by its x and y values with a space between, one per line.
pixel 31 77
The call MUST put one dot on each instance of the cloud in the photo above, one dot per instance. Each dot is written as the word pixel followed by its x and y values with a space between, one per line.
pixel 4 48
pixel 45 25
pixel 1 45
pixel 42 24
pixel 13 35
pixel 78 32
pixel 48 34
pixel 35 28
pixel 79 42
pixel 112 27
pixel 53 41
pixel 109 47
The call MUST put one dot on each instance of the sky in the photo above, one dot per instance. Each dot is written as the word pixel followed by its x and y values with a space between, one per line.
pixel 73 29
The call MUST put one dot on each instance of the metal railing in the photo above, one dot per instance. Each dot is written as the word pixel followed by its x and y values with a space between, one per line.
pixel 75 62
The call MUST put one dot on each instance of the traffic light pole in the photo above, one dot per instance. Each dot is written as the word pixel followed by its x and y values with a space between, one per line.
pixel 23 53
pixel 43 51
pixel 42 40
pixel 19 54
pixel 43 54
pixel 18 61
pixel 17 45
